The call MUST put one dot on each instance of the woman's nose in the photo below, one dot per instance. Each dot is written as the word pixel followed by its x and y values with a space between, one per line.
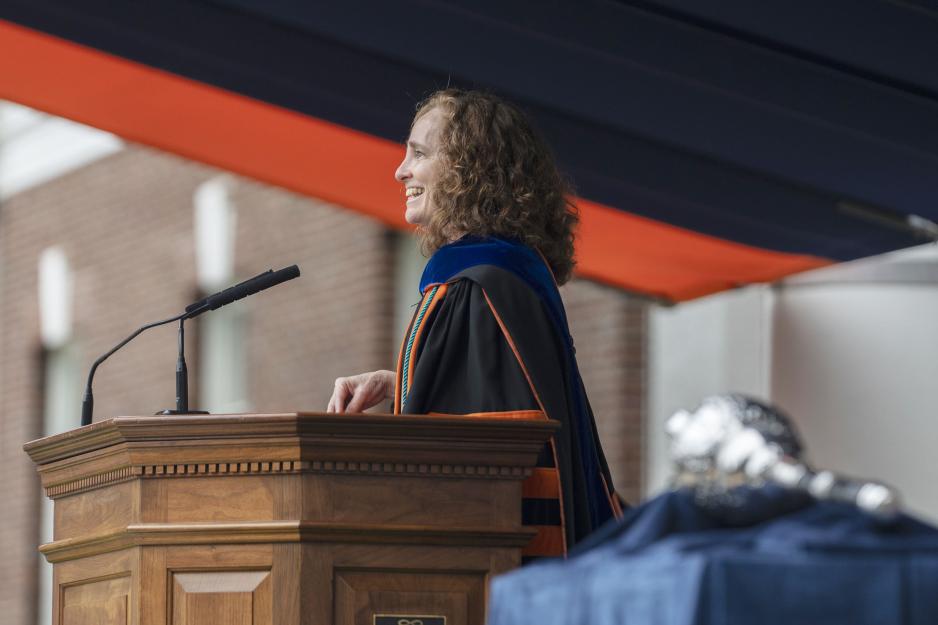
pixel 402 172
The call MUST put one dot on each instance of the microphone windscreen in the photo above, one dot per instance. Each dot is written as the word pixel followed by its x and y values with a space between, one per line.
pixel 252 286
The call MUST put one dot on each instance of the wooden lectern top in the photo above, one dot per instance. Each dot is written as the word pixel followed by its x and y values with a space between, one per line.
pixel 190 444
pixel 370 430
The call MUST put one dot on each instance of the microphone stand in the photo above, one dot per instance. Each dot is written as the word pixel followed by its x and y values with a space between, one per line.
pixel 182 377
pixel 182 382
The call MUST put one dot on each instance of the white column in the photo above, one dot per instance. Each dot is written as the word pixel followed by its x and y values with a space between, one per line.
pixel 222 358
pixel 61 385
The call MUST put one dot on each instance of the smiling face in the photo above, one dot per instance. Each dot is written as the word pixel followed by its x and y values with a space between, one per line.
pixel 419 171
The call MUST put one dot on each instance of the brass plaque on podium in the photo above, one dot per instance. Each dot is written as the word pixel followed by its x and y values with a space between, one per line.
pixel 409 619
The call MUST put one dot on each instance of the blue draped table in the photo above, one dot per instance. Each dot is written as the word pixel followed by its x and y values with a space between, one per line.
pixel 670 563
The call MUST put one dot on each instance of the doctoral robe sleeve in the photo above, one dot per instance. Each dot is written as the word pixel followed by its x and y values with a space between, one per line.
pixel 464 363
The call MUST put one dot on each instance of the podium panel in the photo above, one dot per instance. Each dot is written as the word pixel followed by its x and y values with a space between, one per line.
pixel 361 594
pixel 97 601
pixel 236 597
pixel 284 519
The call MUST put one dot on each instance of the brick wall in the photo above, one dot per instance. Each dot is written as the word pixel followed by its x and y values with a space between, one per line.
pixel 608 328
pixel 126 225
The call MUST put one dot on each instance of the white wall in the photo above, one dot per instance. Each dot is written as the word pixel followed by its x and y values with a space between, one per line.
pixel 856 366
pixel 712 345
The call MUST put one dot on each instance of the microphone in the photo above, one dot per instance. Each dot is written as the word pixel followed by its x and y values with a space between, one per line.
pixel 250 286
pixel 241 290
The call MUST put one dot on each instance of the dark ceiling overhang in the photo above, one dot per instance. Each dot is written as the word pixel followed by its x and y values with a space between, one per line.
pixel 712 144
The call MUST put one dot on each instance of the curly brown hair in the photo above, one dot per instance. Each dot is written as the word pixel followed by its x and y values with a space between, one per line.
pixel 498 178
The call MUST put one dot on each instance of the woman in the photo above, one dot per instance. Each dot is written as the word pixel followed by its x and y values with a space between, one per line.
pixel 490 333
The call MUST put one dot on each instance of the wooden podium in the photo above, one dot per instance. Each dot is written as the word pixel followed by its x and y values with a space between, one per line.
pixel 289 519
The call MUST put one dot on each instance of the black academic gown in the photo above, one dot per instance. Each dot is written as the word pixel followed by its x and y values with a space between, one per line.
pixel 484 341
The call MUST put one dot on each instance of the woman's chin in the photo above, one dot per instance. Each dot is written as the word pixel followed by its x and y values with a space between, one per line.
pixel 414 215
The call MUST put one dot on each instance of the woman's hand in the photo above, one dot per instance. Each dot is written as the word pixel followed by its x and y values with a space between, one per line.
pixel 360 392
